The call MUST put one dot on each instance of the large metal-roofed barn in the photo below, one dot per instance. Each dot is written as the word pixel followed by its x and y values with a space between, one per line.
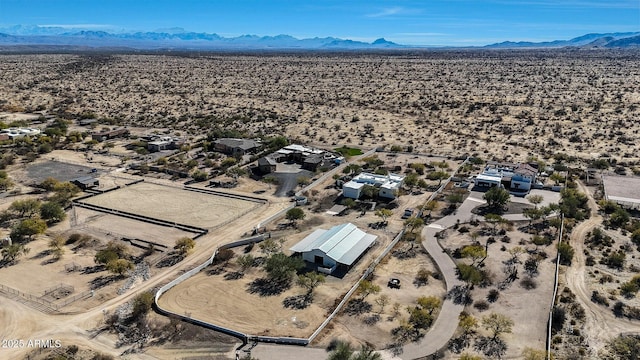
pixel 340 246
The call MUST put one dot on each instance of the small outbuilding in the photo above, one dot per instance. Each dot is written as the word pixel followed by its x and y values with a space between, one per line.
pixel 341 246
pixel 85 182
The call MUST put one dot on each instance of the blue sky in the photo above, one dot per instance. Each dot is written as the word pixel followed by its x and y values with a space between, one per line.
pixel 426 22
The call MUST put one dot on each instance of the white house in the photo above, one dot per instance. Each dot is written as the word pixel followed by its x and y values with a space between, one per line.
pixel 488 180
pixel 387 185
pixel 342 245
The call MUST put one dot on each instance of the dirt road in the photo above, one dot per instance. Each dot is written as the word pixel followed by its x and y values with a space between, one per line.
pixel 599 319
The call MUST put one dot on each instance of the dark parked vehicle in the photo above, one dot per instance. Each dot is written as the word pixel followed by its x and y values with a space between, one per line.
pixel 394 283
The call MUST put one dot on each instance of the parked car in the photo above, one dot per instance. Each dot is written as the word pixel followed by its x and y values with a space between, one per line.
pixel 408 213
pixel 394 283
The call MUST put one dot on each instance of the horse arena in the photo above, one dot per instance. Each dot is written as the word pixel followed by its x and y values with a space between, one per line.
pixel 175 205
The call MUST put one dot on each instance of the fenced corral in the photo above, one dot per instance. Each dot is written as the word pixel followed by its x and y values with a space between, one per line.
pixel 40 303
pixel 59 291
pixel 30 300
pixel 260 338
pixel 171 206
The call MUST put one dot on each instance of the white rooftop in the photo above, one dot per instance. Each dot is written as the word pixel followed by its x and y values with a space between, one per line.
pixel 342 243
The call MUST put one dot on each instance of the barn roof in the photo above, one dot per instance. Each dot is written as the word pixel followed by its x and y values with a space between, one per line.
pixel 342 243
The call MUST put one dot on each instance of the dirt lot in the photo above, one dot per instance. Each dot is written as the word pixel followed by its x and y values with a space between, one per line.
pixel 528 308
pixel 174 204
pixel 354 328
pixel 206 296
pixel 110 227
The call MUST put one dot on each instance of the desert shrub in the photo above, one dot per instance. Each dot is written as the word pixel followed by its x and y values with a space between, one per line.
pixel 558 318
pixel 493 295
pixel 597 298
pixel 481 305
pixel 422 277
pixel 528 283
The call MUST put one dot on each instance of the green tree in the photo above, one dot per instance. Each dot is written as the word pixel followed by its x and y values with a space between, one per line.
pixel 438 175
pixel 619 218
pixel 113 251
pixel 11 253
pixel 431 206
pixel 366 288
pixel 420 318
pixel 28 228
pixel 310 281
pixel 184 245
pixel 5 182
pixel 497 324
pixel 56 245
pixel 142 304
pixel 25 208
pixel 63 192
pixel 281 267
pixel 556 178
pixel 474 252
pixel 52 212
pixel 384 214
pixel 369 191
pixel 343 351
pixel 429 303
pixel 245 262
pixel 467 323
pixel 295 214
pixel 352 169
pixel 496 198
pixel 119 266
pixel 414 223
pixel 470 274
pixel 566 252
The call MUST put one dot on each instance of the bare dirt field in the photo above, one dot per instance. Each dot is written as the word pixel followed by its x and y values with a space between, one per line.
pixel 174 204
pixel 225 302
pixel 528 307
pixel 109 227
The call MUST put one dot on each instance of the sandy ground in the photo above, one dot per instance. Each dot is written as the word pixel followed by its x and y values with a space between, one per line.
pixel 600 323
pixel 353 328
pixel 109 227
pixel 529 309
pixel 174 204
pixel 500 103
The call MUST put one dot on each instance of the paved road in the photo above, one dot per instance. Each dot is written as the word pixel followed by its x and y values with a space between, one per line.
pixel 447 321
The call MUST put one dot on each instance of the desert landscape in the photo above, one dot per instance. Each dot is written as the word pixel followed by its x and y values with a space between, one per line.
pixel 148 128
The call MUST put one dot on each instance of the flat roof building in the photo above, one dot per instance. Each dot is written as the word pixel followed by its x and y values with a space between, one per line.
pixel 623 190
pixel 387 185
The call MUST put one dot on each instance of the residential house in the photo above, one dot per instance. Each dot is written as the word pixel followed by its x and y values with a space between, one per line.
pixel 388 185
pixel 266 165
pixel 110 134
pixel 236 147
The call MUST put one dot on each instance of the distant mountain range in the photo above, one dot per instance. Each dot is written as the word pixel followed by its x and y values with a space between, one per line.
pixel 175 39
pixel 609 40
pixel 52 37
